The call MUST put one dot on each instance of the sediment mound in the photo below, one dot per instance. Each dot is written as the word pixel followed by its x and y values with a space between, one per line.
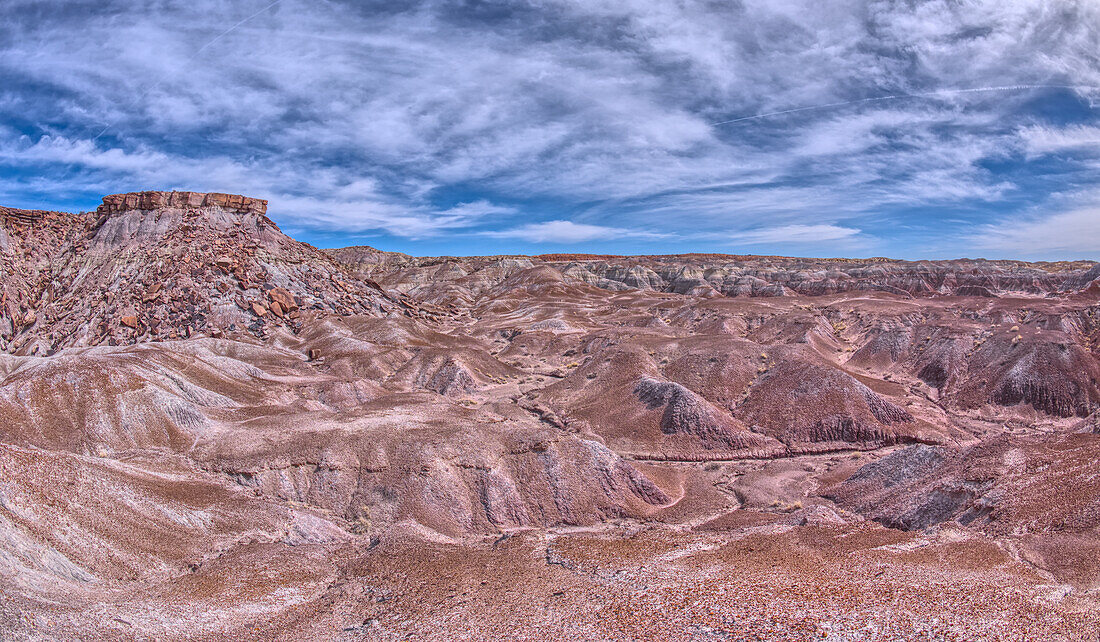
pixel 688 413
pixel 809 406
pixel 1039 491
pixel 1052 377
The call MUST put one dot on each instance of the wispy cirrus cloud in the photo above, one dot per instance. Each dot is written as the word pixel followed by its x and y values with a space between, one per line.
pixel 1073 234
pixel 794 234
pixel 1069 235
pixel 1040 140
pixel 457 120
pixel 568 232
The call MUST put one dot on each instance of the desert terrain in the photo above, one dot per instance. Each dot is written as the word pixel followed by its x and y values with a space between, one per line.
pixel 209 430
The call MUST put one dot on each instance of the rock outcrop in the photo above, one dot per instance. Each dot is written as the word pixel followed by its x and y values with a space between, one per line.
pixel 148 201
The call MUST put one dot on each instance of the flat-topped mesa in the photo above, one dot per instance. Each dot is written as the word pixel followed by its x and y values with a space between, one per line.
pixel 145 201
pixel 127 220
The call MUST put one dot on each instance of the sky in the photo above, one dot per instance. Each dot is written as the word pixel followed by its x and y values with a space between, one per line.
pixel 903 128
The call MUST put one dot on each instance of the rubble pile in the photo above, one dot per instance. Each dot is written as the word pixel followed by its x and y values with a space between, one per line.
pixel 155 266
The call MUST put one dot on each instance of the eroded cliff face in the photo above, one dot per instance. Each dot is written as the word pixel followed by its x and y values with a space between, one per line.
pixel 436 278
pixel 147 201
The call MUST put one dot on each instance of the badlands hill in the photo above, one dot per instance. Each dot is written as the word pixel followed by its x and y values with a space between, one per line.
pixel 211 430
pixel 159 266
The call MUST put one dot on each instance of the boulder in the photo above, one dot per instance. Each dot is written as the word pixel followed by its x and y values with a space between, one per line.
pixel 283 297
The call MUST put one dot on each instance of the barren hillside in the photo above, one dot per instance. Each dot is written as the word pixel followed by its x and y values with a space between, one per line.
pixel 213 431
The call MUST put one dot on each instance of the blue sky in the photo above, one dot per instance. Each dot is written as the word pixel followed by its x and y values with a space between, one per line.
pixel 909 129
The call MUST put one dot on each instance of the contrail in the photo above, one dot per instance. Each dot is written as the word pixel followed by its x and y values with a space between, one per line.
pixel 923 94
pixel 233 28
pixel 192 57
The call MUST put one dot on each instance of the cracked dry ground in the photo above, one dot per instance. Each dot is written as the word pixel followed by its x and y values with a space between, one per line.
pixel 677 448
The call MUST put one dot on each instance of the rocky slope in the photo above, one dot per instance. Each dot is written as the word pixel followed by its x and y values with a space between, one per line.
pixel 158 266
pixel 1037 494
pixel 210 430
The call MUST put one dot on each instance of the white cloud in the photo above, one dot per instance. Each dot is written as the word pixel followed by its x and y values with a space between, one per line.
pixel 348 116
pixel 1066 235
pixel 356 206
pixel 1038 140
pixel 794 234
pixel 566 232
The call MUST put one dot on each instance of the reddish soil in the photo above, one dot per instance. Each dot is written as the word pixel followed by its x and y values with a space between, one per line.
pixel 209 430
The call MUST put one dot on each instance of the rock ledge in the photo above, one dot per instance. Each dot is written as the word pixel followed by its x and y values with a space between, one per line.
pixel 144 201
